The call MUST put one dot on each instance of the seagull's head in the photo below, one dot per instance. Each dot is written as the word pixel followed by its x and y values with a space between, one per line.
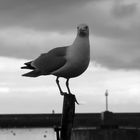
pixel 83 30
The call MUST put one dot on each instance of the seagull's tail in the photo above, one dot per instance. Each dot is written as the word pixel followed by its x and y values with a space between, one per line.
pixel 34 73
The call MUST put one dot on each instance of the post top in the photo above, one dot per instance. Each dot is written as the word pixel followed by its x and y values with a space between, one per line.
pixel 106 93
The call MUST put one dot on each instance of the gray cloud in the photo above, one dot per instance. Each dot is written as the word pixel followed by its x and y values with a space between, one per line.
pixel 122 10
pixel 42 14
pixel 118 54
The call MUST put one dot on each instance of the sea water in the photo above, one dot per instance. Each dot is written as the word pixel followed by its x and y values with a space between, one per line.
pixel 27 134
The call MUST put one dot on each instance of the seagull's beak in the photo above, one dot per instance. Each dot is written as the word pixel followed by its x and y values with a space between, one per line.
pixel 83 31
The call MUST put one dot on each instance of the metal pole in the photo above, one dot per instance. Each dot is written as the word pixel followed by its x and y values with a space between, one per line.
pixel 57 129
pixel 106 94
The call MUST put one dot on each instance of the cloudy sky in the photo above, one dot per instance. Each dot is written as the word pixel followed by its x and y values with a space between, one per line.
pixel 30 27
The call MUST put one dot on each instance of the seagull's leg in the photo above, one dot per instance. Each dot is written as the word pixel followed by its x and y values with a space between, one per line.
pixel 57 82
pixel 67 85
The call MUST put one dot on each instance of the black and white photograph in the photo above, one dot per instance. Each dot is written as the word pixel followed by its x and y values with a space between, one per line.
pixel 69 69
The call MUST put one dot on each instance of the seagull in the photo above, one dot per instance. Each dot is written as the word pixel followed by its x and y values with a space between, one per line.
pixel 67 61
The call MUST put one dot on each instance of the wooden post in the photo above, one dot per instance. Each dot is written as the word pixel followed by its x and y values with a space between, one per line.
pixel 67 116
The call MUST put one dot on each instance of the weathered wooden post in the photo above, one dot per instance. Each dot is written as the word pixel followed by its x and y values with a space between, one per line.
pixel 67 116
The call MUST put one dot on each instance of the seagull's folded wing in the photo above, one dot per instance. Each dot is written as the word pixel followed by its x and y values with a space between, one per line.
pixel 51 61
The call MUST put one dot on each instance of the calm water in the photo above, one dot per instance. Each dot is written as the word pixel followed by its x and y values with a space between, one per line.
pixel 28 134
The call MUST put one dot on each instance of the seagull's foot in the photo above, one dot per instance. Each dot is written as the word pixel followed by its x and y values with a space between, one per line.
pixel 76 101
pixel 75 98
pixel 63 93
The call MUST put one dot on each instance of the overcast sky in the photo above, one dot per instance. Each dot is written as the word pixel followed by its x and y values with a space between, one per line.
pixel 30 27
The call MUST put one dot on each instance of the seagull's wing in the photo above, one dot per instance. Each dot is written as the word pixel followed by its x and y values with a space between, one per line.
pixel 48 62
pixel 51 61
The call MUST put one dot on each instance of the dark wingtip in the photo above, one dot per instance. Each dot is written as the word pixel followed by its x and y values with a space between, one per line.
pixel 24 67
pixel 34 73
pixel 25 75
